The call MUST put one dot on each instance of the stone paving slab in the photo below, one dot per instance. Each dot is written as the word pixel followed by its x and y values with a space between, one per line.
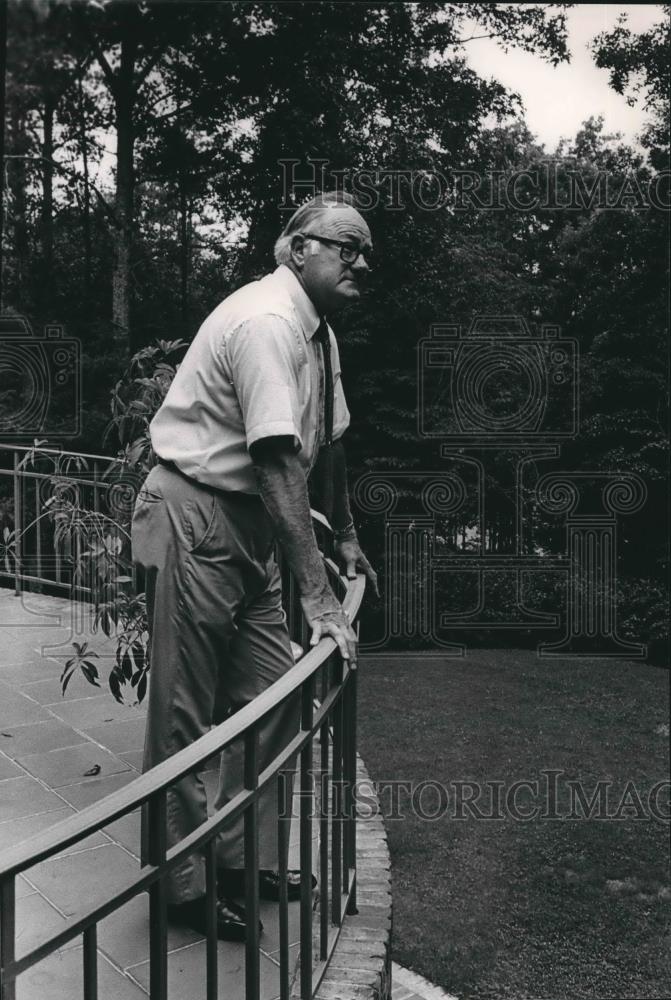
pixel 126 831
pixel 18 710
pixel 39 737
pixel 26 796
pixel 70 765
pixel 66 881
pixel 36 669
pixel 85 793
pixel 36 920
pixel 120 737
pixel 26 649
pixel 60 977
pixel 17 830
pixel 85 713
pixel 48 692
pixel 23 888
pixel 9 769
pixel 186 973
pixel 133 759
pixel 123 935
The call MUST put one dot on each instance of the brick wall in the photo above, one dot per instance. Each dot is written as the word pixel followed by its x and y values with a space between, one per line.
pixel 361 965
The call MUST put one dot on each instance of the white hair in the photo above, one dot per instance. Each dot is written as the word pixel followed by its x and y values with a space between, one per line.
pixel 283 243
pixel 283 249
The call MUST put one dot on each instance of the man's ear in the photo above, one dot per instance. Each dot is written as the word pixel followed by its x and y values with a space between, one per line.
pixel 298 250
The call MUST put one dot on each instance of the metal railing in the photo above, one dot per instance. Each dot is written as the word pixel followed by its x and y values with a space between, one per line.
pixel 326 686
pixel 30 480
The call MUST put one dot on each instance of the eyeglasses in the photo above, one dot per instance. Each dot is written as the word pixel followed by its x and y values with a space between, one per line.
pixel 349 252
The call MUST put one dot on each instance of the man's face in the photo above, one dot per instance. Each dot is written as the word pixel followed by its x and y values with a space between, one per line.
pixel 329 281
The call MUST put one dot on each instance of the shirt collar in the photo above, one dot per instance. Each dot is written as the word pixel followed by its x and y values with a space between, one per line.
pixel 307 314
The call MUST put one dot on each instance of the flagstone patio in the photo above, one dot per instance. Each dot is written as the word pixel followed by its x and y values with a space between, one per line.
pixel 50 747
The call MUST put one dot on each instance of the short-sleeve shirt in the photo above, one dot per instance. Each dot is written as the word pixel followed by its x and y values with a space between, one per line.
pixel 254 370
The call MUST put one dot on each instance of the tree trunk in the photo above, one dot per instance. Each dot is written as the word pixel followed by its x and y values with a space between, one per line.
pixel 47 229
pixel 17 190
pixel 184 209
pixel 3 68
pixel 124 103
pixel 86 219
pixel 183 247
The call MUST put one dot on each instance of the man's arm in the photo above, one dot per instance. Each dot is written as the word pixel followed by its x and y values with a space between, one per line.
pixel 342 517
pixel 345 536
pixel 284 492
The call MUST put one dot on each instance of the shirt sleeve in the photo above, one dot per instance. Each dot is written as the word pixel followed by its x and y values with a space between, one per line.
pixel 341 415
pixel 263 360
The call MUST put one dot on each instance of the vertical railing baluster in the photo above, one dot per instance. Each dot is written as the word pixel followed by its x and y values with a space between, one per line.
pixel 350 785
pixel 212 968
pixel 307 709
pixel 57 554
pixel 251 837
pixel 95 592
pixel 158 923
pixel 90 953
pixel 284 810
pixel 76 588
pixel 325 790
pixel 18 526
pixel 96 498
pixel 7 938
pixel 38 528
pixel 304 639
pixel 336 807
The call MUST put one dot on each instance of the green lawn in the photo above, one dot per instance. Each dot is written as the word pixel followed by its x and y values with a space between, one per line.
pixel 539 909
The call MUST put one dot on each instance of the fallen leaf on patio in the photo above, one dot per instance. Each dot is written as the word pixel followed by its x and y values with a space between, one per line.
pixel 96 769
pixel 10 735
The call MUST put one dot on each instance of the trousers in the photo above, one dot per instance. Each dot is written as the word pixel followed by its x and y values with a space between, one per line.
pixel 217 629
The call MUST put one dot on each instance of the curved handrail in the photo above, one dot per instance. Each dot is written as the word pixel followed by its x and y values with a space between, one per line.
pixel 192 842
pixel 99 814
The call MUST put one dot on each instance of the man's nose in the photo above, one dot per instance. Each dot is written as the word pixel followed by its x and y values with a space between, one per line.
pixel 361 264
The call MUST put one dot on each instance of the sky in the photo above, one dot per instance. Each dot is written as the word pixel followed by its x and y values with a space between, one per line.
pixel 558 99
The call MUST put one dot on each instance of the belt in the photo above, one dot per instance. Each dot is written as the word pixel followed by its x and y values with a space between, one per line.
pixel 233 494
pixel 173 468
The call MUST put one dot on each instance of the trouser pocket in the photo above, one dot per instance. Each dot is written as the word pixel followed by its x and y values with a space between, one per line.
pixel 199 514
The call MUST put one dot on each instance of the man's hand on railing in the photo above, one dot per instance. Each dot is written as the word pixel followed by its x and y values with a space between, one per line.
pixel 325 616
pixel 349 552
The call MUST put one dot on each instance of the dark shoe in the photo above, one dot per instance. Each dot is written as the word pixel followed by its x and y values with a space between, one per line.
pixel 231 918
pixel 232 882
pixel 269 885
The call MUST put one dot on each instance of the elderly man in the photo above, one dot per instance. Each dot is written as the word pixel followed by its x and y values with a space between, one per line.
pixel 254 405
